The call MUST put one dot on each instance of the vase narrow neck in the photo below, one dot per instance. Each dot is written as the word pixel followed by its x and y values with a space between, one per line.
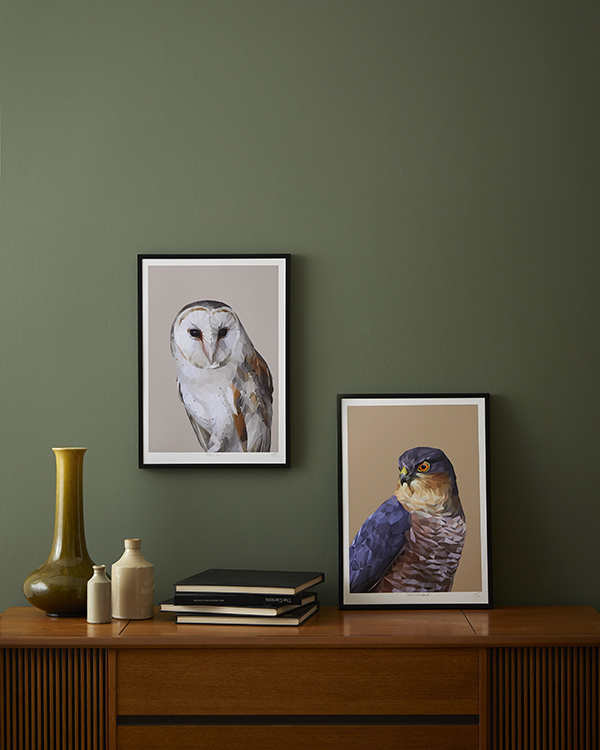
pixel 69 537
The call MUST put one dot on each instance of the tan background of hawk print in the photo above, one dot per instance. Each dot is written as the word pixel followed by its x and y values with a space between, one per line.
pixel 377 437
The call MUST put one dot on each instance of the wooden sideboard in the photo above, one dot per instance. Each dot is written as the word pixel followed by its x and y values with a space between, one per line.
pixel 507 678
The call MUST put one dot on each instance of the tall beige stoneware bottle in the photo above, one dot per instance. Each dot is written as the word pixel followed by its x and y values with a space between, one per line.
pixel 132 579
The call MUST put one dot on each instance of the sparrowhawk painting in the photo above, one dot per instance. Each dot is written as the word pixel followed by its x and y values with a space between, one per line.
pixel 413 542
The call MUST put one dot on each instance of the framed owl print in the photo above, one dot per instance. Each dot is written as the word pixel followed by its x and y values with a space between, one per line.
pixel 213 360
pixel 413 501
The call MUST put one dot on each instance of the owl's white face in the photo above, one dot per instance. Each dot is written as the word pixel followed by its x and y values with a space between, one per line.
pixel 206 336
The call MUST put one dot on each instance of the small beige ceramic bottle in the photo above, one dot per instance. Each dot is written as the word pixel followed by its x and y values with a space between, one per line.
pixel 98 596
pixel 132 584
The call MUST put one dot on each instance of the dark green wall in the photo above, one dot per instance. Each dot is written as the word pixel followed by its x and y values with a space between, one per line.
pixel 432 167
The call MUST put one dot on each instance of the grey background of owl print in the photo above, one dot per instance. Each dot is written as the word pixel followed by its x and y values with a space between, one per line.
pixel 252 292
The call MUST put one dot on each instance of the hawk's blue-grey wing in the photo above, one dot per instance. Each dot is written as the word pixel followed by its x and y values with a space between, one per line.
pixel 377 544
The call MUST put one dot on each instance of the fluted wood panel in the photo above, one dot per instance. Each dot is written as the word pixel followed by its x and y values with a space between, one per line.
pixel 544 698
pixel 53 699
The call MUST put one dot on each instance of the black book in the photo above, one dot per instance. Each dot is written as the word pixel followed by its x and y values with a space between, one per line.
pixel 297 617
pixel 262 610
pixel 249 581
pixel 217 599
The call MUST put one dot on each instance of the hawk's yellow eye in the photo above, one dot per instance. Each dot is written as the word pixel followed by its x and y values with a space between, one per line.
pixel 424 466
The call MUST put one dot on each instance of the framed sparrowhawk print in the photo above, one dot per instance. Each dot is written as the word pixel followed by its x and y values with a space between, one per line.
pixel 414 501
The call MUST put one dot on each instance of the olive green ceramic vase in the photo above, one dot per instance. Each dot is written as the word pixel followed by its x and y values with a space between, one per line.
pixel 58 587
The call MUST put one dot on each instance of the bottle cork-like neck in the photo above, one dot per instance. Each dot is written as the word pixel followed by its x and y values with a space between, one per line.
pixel 133 543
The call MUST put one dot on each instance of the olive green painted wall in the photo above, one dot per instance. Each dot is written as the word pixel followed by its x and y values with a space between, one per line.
pixel 432 167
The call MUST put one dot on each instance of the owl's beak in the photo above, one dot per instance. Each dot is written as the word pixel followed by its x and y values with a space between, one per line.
pixel 209 350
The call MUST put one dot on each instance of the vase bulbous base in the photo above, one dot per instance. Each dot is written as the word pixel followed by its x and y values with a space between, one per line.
pixel 59 591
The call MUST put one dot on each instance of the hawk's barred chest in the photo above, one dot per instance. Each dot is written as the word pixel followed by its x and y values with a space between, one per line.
pixel 433 548
pixel 435 540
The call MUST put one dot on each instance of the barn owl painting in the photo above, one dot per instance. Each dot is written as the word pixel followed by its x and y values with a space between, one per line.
pixel 223 382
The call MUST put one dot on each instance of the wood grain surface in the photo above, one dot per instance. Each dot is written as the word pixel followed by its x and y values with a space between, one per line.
pixel 297 681
pixel 298 738
pixel 333 628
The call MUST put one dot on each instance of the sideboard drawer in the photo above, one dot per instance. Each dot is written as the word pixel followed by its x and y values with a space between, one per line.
pixel 299 737
pixel 297 681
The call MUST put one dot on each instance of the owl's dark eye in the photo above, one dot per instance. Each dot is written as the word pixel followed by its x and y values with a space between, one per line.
pixel 223 332
pixel 195 333
pixel 424 466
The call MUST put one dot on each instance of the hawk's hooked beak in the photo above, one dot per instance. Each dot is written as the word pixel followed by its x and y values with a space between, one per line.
pixel 405 477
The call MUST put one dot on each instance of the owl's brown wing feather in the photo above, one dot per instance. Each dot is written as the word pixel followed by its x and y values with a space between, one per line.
pixel 238 419
pixel 254 402
pixel 263 375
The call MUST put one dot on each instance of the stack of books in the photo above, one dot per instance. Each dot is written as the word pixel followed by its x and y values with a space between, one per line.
pixel 244 597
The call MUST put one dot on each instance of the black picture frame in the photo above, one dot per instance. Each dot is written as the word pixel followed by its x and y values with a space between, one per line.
pixel 254 290
pixel 423 537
